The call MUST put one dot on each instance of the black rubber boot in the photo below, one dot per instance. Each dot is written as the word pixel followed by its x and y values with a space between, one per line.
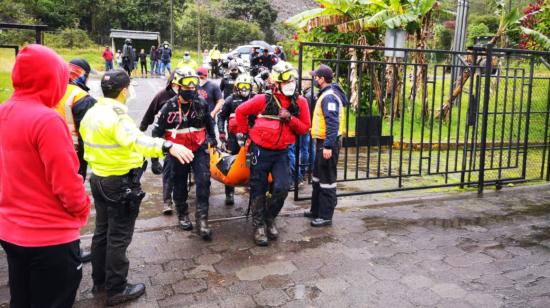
pixel 183 217
pixel 271 229
pixel 229 195
pixel 203 229
pixel 260 237
pixel 258 219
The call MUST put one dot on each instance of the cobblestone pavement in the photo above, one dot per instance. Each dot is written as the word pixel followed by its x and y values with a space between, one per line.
pixel 460 251
pixel 470 252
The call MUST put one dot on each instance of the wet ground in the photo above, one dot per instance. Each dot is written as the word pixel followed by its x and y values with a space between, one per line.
pixel 414 250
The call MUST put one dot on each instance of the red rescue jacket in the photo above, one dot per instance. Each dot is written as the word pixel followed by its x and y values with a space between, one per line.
pixel 268 132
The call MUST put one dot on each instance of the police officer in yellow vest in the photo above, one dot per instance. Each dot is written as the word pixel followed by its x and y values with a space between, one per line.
pixel 74 105
pixel 115 149
pixel 327 126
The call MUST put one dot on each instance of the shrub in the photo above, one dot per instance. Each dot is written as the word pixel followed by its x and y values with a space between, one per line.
pixel 477 30
pixel 68 38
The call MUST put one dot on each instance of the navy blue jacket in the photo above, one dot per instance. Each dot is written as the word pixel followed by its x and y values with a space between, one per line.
pixel 332 117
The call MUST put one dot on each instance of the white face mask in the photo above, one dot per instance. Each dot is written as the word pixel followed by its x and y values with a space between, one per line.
pixel 186 58
pixel 165 46
pixel 289 89
pixel 244 93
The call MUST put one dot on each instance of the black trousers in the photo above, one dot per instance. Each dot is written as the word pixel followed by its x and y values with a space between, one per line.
pixel 167 179
pixel 323 197
pixel 143 66
pixel 201 171
pixel 264 162
pixel 115 220
pixel 83 164
pixel 43 276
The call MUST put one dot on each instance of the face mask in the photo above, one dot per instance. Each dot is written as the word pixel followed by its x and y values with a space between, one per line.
pixel 289 89
pixel 187 94
pixel 165 46
pixel 186 58
pixel 244 93
pixel 234 74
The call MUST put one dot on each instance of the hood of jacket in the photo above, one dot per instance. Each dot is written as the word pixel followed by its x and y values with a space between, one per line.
pixel 39 75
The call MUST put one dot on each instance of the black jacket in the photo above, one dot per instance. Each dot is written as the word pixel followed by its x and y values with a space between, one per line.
pixel 226 85
pixel 199 116
pixel 229 106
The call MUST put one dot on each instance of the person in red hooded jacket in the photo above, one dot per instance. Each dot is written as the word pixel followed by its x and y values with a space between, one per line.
pixel 43 203
pixel 281 115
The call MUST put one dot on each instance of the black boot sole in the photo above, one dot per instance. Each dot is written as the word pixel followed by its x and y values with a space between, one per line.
pixel 189 228
pixel 125 299
pixel 262 243
pixel 206 236
pixel 167 212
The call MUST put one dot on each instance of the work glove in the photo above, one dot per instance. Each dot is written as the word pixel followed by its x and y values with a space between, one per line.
pixel 294 110
pixel 156 166
pixel 284 115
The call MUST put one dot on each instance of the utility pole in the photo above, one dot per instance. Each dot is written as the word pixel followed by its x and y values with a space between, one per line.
pixel 198 30
pixel 459 40
pixel 172 23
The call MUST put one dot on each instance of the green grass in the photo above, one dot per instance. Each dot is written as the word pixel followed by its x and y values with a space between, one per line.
pixel 500 127
pixel 92 55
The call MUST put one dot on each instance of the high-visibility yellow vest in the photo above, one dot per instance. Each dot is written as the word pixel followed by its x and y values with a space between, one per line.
pixel 113 145
pixel 65 108
pixel 318 125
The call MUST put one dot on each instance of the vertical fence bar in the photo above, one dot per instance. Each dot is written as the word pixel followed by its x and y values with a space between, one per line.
pixel 300 67
pixel 486 99
pixel 528 116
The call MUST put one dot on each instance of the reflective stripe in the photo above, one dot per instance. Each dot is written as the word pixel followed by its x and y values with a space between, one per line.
pixel 314 179
pixel 147 142
pixel 69 103
pixel 333 185
pixel 187 130
pixel 102 146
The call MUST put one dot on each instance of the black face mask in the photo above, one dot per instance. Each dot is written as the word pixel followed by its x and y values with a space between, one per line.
pixel 316 83
pixel 187 94
pixel 234 75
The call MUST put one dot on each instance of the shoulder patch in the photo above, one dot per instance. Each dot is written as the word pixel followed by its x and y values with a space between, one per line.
pixel 118 110
pixel 331 106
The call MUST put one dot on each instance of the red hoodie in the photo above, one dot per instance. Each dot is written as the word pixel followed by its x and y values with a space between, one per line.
pixel 42 199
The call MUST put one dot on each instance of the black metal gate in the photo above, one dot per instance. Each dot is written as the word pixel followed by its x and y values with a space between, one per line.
pixel 423 119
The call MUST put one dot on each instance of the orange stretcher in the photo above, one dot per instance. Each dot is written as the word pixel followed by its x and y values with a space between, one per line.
pixel 231 170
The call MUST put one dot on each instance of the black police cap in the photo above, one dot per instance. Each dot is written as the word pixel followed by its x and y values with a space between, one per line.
pixel 115 80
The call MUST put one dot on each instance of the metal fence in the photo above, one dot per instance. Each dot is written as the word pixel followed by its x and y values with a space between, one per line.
pixel 418 121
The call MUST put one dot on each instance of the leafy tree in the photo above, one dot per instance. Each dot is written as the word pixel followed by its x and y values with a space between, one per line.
pixel 259 11
pixel 476 30
pixel 222 31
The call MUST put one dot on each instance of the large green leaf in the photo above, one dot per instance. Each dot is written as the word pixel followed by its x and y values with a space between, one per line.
pixel 400 21
pixel 425 6
pixel 301 19
pixel 539 38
